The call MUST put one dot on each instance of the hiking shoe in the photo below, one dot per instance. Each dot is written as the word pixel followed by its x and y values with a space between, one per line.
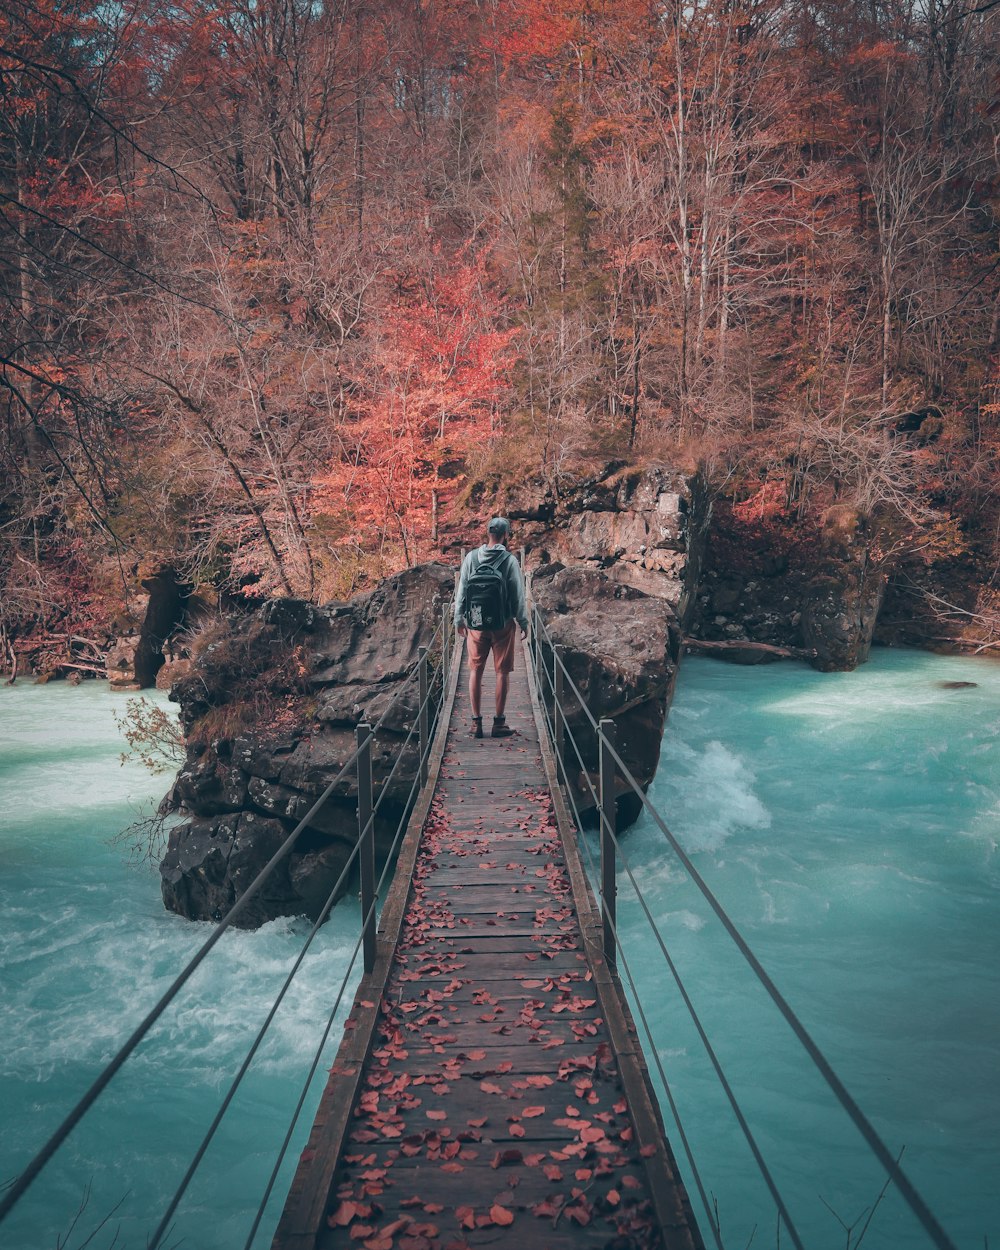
pixel 500 728
pixel 477 726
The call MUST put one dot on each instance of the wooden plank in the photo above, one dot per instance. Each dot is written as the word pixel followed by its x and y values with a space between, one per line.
pixel 308 1197
pixel 479 1096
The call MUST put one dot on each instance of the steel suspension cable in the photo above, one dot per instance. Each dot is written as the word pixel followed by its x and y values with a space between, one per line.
pixel 27 1177
pixel 572 684
pixel 164 1223
pixel 283 1150
pixel 912 1197
pixel 696 1019
pixel 30 1173
pixel 327 907
pixel 674 1109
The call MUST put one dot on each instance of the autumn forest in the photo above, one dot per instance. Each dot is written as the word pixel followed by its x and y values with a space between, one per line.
pixel 282 280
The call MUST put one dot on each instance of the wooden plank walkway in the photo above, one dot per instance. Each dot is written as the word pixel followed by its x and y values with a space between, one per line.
pixel 490 1090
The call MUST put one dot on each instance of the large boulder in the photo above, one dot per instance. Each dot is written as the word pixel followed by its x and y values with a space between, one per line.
pixel 270 708
pixel 843 593
pixel 620 647
pixel 644 526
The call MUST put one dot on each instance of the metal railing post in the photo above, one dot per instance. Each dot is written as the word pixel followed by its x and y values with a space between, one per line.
pixel 558 722
pixel 606 734
pixel 445 644
pixel 424 718
pixel 366 837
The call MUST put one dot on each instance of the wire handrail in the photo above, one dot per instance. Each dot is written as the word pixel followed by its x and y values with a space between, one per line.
pixel 675 1110
pixel 326 1033
pixel 692 1011
pixel 870 1135
pixel 566 674
pixel 19 1187
pixel 678 980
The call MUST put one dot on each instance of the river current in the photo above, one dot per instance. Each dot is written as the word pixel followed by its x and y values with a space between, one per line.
pixel 848 823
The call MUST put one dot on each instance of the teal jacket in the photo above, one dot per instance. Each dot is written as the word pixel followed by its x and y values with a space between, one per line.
pixel 515 584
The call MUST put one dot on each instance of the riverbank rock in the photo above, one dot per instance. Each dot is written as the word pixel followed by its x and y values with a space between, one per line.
pixel 620 646
pixel 614 559
pixel 120 663
pixel 270 708
pixel 813 590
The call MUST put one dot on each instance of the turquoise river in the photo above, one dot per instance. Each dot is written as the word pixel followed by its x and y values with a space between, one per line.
pixel 848 823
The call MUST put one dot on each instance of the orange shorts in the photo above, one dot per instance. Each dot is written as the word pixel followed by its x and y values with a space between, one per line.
pixel 481 642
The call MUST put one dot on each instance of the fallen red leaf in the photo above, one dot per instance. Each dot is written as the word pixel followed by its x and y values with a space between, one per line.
pixel 343 1215
pixel 579 1214
pixel 500 1215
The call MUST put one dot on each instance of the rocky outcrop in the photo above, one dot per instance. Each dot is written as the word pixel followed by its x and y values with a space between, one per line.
pixel 120 663
pixel 644 526
pixel 620 647
pixel 135 658
pixel 270 708
pixel 814 590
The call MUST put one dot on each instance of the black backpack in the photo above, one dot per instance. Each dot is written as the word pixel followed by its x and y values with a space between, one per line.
pixel 486 601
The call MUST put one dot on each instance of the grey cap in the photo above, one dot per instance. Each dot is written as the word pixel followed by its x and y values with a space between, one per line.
pixel 499 527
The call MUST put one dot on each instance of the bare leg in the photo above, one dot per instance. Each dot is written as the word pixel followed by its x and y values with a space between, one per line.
pixel 503 685
pixel 476 690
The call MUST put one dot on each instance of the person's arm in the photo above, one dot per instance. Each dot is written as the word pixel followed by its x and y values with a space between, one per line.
pixel 460 589
pixel 515 584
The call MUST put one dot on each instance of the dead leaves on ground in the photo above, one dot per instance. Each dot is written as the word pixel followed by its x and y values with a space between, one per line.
pixel 438 1114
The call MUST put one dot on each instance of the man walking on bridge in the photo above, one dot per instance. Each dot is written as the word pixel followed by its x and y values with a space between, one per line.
pixel 489 602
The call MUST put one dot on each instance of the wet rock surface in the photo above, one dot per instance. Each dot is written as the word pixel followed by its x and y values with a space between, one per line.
pixel 270 708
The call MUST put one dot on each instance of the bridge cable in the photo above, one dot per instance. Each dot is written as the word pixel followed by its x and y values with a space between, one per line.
pixel 891 1165
pixel 326 1032
pixel 30 1173
pixel 675 1111
pixel 162 1227
pixel 164 1223
pixel 692 1011
pixel 912 1197
pixel 572 684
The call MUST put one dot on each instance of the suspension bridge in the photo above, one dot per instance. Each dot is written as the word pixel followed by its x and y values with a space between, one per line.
pixel 491 1085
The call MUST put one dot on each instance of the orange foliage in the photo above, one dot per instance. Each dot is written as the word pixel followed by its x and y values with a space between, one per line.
pixel 443 368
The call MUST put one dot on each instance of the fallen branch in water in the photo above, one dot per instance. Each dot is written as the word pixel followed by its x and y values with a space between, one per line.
pixel 763 650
